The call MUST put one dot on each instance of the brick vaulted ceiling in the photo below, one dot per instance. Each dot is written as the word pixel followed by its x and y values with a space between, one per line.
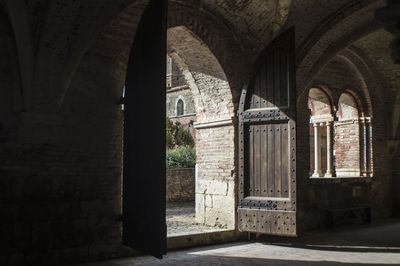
pixel 252 23
pixel 63 31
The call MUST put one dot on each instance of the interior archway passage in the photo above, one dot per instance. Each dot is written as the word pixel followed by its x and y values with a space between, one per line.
pixel 214 127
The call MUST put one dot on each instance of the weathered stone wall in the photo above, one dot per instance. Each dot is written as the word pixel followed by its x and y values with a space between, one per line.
pixel 185 95
pixel 175 77
pixel 215 178
pixel 180 184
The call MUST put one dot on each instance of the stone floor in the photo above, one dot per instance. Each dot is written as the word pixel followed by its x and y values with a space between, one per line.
pixel 181 220
pixel 376 244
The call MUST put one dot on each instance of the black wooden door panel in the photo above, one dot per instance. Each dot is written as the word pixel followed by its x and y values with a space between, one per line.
pixel 267 143
pixel 143 225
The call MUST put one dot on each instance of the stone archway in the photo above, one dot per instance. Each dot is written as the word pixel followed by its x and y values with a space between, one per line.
pixel 215 131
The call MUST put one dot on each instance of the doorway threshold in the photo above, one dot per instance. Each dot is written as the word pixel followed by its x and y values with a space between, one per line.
pixel 205 238
pixel 183 230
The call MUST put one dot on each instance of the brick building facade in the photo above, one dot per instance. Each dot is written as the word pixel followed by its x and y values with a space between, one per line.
pixel 179 101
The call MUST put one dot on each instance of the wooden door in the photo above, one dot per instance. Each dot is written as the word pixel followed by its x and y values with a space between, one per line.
pixel 267 143
pixel 143 218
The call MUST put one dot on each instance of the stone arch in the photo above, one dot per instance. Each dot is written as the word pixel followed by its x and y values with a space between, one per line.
pixel 110 48
pixel 207 80
pixel 215 127
pixel 319 102
pixel 348 108
pixel 219 39
pixel 331 38
pixel 373 84
pixel 362 98
pixel 111 36
pixel 345 11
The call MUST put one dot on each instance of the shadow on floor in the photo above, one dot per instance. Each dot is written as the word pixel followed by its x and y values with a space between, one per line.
pixel 229 261
pixel 382 236
pixel 375 244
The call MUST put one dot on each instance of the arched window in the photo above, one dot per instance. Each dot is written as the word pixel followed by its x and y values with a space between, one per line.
pixel 347 137
pixel 348 109
pixel 320 133
pixel 340 144
pixel 179 107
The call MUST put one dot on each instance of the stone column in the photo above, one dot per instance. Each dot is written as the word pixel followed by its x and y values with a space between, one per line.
pixel 370 161
pixel 329 171
pixel 317 152
pixel 363 126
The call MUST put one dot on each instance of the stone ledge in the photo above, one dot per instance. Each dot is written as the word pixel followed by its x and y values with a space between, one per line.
pixel 342 179
pixel 215 123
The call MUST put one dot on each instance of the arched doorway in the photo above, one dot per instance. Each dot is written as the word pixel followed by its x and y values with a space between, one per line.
pixel 214 128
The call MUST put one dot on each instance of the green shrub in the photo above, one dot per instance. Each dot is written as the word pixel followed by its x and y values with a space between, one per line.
pixel 177 136
pixel 181 157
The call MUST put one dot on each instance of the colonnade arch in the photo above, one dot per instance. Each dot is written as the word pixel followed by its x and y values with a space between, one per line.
pixel 340 135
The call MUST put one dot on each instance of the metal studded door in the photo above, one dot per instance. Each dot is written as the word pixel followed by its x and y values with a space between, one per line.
pixel 267 143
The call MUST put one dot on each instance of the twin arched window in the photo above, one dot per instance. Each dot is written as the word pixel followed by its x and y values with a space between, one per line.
pixel 340 143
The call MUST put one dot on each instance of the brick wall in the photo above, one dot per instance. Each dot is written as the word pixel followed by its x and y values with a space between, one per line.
pixel 215 183
pixel 60 171
pixel 347 148
pixel 180 184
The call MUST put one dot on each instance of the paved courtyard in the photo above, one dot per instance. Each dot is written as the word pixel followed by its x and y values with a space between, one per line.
pixel 181 220
pixel 376 244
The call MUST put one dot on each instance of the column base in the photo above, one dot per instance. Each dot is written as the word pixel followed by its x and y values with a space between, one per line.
pixel 317 173
pixel 329 173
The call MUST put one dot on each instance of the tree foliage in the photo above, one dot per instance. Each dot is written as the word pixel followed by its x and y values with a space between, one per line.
pixel 181 157
pixel 180 147
pixel 177 136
